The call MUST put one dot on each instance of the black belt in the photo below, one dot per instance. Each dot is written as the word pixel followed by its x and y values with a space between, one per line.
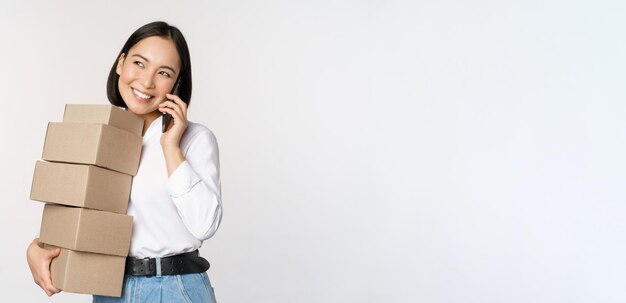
pixel 187 263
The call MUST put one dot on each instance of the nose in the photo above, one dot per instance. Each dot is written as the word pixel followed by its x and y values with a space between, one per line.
pixel 147 81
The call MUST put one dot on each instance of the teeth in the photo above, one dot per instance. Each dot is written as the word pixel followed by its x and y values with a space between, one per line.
pixel 141 95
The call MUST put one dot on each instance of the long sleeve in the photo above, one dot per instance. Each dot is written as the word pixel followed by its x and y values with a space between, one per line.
pixel 195 185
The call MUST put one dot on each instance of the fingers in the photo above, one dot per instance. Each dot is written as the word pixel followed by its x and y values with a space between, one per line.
pixel 178 101
pixel 175 114
pixel 48 292
pixel 46 285
pixel 53 253
pixel 182 112
pixel 175 100
pixel 39 260
pixel 173 103
pixel 45 282
pixel 178 109
pixel 45 277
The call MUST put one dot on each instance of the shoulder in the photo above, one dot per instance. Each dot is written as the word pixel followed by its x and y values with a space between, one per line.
pixel 197 133
pixel 196 129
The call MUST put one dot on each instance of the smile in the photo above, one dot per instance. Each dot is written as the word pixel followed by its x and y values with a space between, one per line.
pixel 141 95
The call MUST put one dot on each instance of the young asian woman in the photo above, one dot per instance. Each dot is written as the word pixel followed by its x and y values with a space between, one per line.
pixel 175 197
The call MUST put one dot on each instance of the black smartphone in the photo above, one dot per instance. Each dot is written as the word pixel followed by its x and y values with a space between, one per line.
pixel 167 118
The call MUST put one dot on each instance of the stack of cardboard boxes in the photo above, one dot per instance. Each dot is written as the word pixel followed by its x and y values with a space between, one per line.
pixel 91 158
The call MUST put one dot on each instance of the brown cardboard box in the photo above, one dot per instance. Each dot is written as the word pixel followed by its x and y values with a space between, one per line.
pixel 88 273
pixel 86 230
pixel 81 185
pixel 90 143
pixel 103 114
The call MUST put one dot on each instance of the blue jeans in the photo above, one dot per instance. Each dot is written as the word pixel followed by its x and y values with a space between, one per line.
pixel 189 288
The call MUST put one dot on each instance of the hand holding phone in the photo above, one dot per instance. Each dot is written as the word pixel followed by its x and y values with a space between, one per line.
pixel 167 118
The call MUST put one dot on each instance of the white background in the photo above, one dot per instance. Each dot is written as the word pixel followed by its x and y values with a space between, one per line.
pixel 371 151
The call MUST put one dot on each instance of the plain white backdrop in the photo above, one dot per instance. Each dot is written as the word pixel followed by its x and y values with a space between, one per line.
pixel 371 151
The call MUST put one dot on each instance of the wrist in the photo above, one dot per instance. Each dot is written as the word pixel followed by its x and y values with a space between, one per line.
pixel 173 158
pixel 171 149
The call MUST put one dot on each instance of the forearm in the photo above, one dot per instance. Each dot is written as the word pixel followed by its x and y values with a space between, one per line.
pixel 173 158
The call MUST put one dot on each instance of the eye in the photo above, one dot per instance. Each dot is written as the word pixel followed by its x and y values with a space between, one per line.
pixel 164 73
pixel 138 63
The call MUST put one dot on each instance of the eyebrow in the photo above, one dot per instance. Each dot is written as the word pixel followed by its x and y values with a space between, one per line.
pixel 146 59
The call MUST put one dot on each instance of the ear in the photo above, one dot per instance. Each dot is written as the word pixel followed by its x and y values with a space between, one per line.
pixel 120 63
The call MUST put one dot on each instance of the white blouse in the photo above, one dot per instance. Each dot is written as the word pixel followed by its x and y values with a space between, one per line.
pixel 174 215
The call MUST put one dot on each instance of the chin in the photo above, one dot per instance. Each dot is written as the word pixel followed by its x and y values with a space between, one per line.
pixel 141 111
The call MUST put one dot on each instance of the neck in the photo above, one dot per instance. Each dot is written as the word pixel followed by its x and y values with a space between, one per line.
pixel 148 119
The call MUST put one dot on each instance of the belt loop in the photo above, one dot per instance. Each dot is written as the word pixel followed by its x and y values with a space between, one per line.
pixel 158 266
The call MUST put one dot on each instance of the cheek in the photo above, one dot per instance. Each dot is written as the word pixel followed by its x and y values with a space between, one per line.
pixel 128 76
pixel 163 86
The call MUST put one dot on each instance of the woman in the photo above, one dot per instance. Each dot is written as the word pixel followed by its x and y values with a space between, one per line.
pixel 175 197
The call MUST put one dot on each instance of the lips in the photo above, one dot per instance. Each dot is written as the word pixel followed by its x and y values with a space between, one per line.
pixel 141 96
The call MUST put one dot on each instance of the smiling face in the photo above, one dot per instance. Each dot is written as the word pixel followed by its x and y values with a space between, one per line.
pixel 147 73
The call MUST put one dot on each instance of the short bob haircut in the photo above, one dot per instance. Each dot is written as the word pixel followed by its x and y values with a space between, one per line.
pixel 161 29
